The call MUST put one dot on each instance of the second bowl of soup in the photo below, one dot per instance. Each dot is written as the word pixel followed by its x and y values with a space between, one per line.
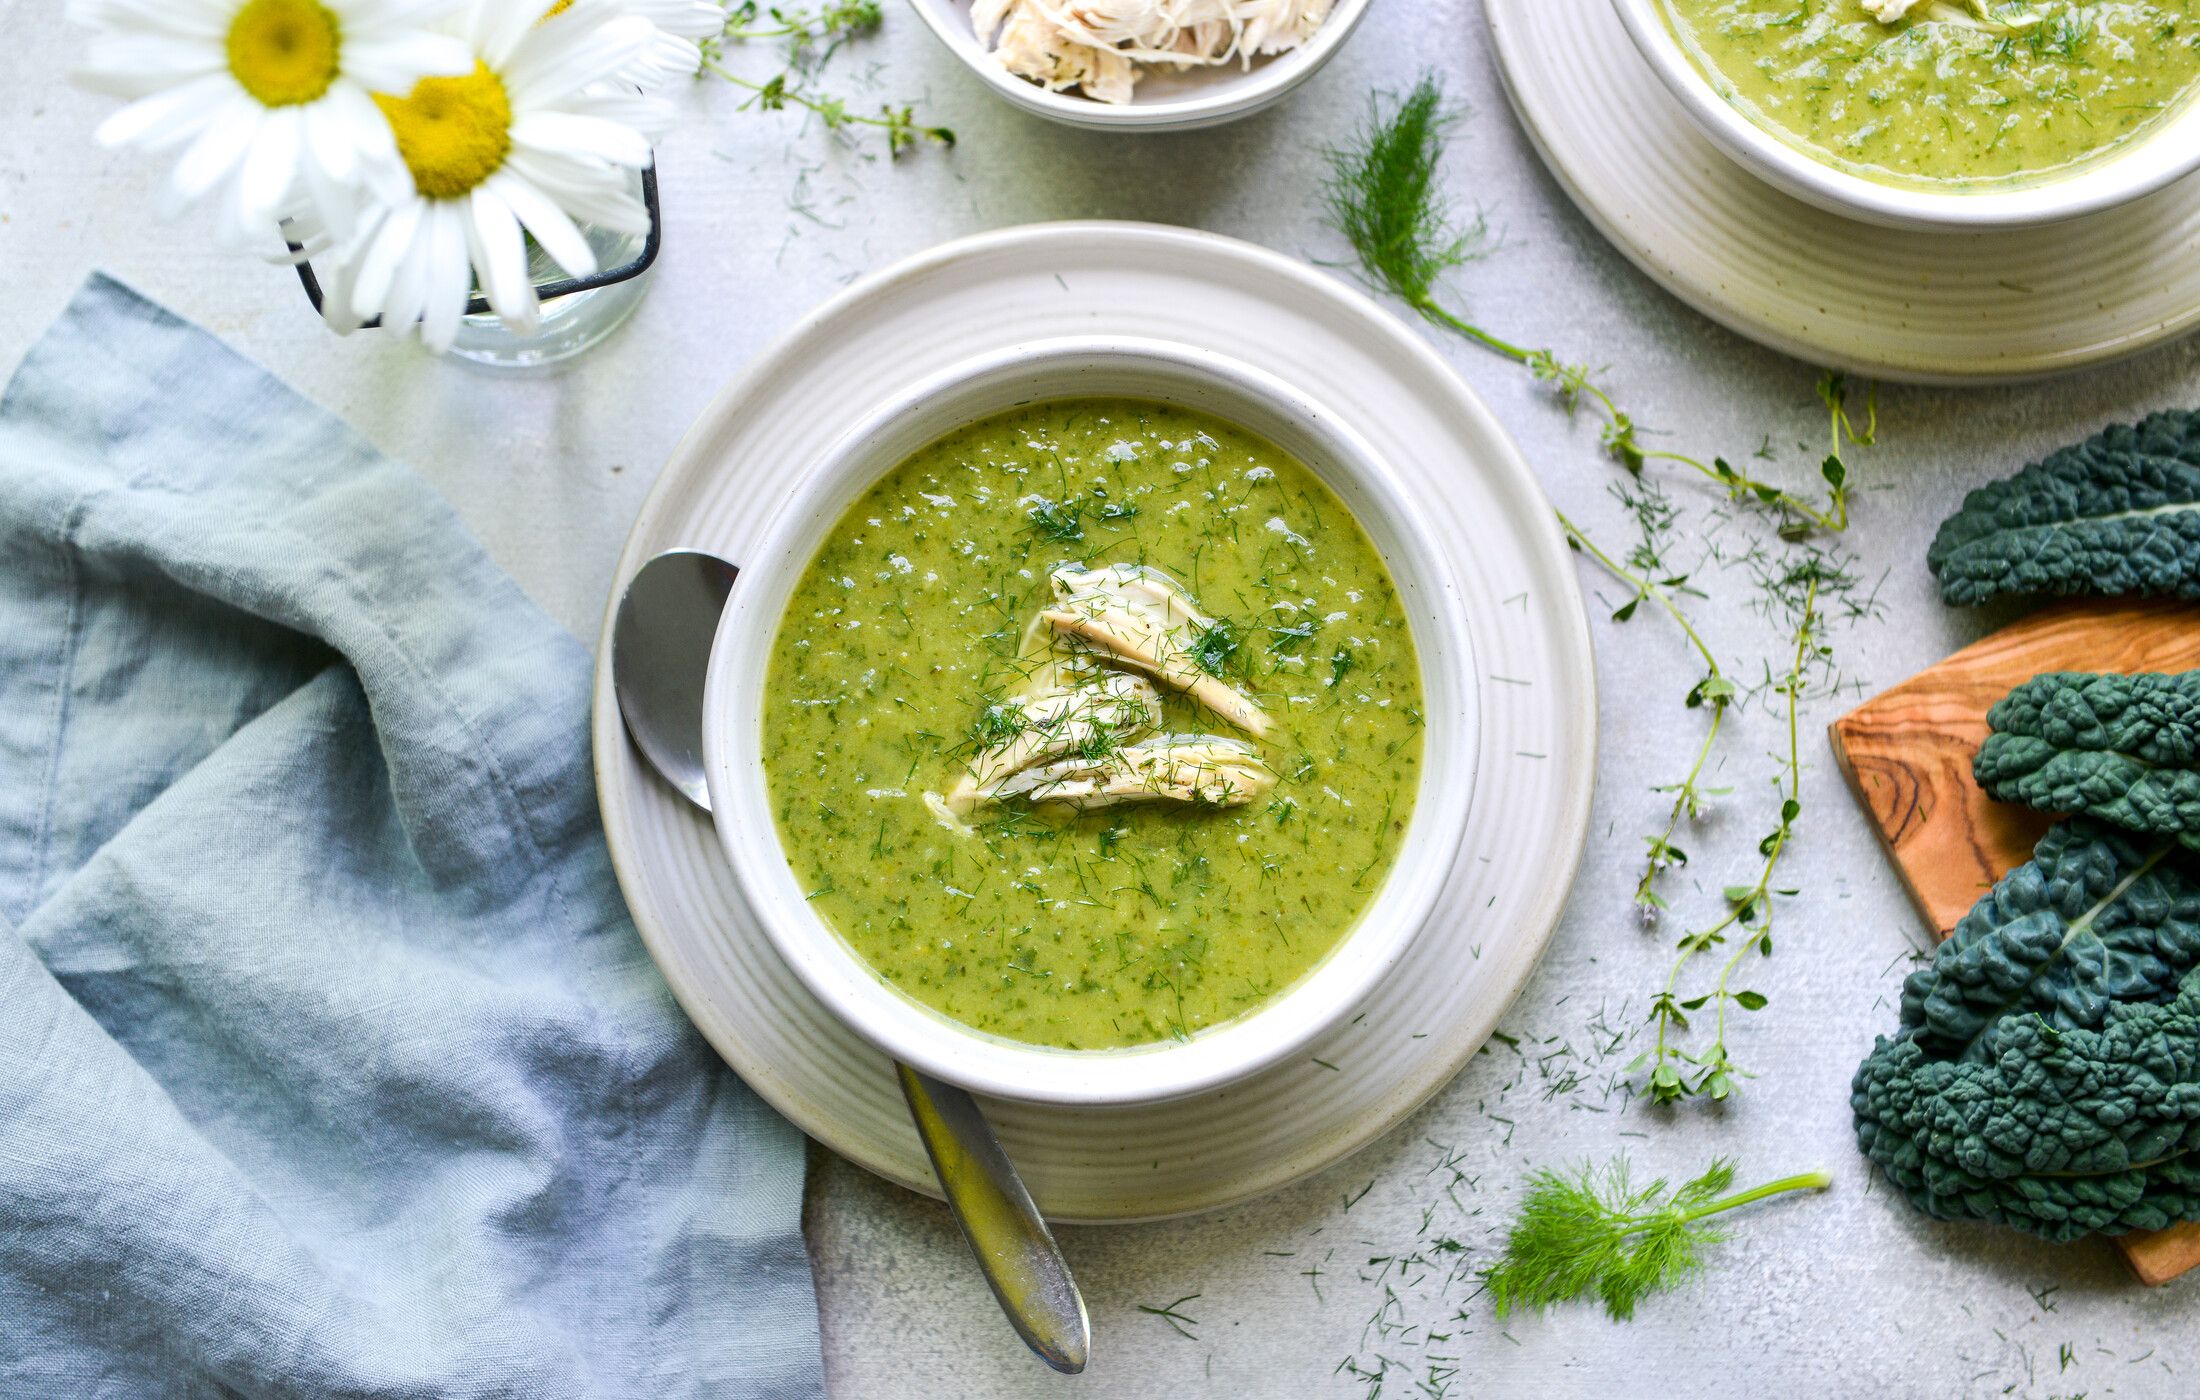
pixel 1940 113
pixel 1096 726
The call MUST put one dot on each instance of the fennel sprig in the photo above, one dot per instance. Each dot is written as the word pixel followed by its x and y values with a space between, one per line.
pixel 1593 1232
pixel 1384 196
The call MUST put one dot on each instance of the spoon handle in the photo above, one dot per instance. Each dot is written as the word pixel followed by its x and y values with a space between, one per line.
pixel 1030 1278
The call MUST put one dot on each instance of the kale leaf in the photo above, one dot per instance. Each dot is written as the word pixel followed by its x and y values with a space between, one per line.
pixel 2046 1071
pixel 2125 749
pixel 2118 513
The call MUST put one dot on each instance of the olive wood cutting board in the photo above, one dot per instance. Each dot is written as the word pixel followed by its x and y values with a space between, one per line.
pixel 1907 755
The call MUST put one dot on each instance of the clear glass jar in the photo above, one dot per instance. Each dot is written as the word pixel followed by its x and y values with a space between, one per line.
pixel 577 313
pixel 572 322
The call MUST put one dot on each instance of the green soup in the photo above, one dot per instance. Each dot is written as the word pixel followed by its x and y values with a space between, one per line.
pixel 1950 94
pixel 1129 924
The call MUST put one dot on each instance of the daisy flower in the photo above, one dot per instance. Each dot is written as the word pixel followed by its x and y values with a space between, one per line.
pixel 535 137
pixel 267 99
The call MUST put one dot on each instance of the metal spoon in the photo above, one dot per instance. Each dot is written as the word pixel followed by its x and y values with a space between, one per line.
pixel 660 654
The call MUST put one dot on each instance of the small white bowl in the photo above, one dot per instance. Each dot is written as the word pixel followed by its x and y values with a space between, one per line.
pixel 2169 154
pixel 1081 367
pixel 1166 99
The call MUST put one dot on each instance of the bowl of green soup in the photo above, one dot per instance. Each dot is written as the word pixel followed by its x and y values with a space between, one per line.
pixel 1095 725
pixel 1939 113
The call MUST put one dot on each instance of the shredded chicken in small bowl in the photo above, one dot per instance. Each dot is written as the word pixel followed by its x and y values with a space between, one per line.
pixel 1101 46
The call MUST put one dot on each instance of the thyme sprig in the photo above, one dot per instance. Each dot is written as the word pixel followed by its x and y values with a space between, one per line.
pixel 1593 1232
pixel 1714 691
pixel 1383 195
pixel 1675 1072
pixel 810 38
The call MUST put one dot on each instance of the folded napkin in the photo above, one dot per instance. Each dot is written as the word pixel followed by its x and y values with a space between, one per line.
pixel 330 1064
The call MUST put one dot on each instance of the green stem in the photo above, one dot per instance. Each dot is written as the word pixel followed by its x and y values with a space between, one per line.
pixel 1802 1181
pixel 1791 790
pixel 1643 586
pixel 1429 307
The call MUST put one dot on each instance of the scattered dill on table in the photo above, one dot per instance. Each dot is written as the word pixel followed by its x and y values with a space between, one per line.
pixel 1184 1326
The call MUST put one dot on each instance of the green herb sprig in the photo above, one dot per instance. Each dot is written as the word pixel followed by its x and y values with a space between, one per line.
pixel 1384 196
pixel 810 38
pixel 1676 1073
pixel 1593 1232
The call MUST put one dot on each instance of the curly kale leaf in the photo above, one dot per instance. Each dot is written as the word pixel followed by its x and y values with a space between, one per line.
pixel 2062 1133
pixel 2118 513
pixel 2125 749
pixel 2046 1072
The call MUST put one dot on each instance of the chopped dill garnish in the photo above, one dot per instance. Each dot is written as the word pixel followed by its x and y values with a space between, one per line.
pixel 1290 641
pixel 1215 650
pixel 997 724
pixel 1055 521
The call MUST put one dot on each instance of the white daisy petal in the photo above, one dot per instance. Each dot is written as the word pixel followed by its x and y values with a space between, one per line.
pixel 395 64
pixel 219 148
pixel 134 65
pixel 500 257
pixel 547 66
pixel 689 19
pixel 450 275
pixel 166 118
pixel 499 29
pixel 581 135
pixel 203 19
pixel 378 266
pixel 271 166
pixel 408 292
pixel 551 226
pixel 330 141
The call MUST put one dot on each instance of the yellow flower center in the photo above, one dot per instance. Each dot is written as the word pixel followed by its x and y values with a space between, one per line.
pixel 284 52
pixel 558 9
pixel 453 132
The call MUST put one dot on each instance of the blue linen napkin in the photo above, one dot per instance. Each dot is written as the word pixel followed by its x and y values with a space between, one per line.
pixel 330 1064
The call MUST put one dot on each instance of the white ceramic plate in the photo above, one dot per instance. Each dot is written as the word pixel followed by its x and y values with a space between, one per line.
pixel 1945 308
pixel 1165 99
pixel 1537 701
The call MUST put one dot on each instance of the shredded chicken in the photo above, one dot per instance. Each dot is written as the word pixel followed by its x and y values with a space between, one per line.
pixel 1982 13
pixel 1142 618
pixel 1194 768
pixel 1063 715
pixel 1098 45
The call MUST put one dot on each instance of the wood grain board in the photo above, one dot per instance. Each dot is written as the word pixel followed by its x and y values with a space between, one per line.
pixel 1907 756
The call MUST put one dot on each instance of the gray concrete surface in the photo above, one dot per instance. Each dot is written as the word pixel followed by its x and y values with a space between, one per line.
pixel 1848 1295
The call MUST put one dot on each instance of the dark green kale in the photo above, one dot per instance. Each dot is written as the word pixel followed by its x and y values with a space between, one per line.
pixel 2125 749
pixel 2046 1071
pixel 2118 513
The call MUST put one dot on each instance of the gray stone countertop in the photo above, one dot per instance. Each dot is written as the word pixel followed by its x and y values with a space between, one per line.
pixel 1336 1286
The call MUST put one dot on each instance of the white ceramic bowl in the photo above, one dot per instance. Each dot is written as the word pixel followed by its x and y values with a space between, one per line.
pixel 1165 99
pixel 2169 154
pixel 1052 369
